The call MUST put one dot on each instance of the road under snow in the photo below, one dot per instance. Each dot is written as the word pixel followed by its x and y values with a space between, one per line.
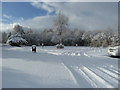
pixel 71 67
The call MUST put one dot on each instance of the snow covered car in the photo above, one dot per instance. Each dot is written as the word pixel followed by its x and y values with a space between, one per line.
pixel 60 46
pixel 114 51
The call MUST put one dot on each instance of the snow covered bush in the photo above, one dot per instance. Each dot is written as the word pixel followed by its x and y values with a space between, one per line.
pixel 16 40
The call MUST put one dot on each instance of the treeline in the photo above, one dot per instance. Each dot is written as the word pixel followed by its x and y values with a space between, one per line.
pixel 50 37
pixel 73 37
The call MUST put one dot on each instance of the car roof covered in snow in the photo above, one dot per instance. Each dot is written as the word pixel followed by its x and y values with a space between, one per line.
pixel 114 47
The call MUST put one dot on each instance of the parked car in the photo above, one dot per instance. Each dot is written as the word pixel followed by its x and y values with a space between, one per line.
pixel 114 51
pixel 59 46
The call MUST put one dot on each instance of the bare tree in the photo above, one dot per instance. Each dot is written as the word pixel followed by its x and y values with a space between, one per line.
pixel 18 29
pixel 4 37
pixel 60 24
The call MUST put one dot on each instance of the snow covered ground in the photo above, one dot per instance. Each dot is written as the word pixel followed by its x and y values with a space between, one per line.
pixel 71 67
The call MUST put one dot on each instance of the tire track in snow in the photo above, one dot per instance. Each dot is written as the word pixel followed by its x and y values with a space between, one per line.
pixel 106 77
pixel 71 74
pixel 113 74
pixel 112 80
pixel 79 80
pixel 109 73
pixel 96 78
pixel 85 76
pixel 114 71
pixel 96 82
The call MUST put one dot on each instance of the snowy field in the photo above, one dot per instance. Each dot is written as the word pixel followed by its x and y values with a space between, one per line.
pixel 71 67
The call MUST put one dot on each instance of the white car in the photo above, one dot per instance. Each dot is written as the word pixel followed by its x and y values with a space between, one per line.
pixel 114 51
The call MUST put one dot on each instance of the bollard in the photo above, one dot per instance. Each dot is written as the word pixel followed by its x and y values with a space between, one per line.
pixel 34 48
pixel 76 45
pixel 42 45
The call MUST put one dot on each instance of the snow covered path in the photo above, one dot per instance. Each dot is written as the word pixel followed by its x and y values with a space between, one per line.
pixel 72 67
